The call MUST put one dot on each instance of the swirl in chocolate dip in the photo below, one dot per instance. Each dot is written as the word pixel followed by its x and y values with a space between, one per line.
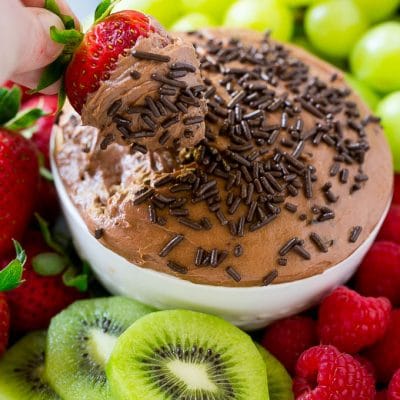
pixel 286 177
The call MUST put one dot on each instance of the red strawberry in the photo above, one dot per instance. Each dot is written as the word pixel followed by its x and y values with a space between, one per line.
pixel 99 50
pixel 393 392
pixel 41 131
pixel 39 298
pixel 288 338
pixel 391 227
pixel 379 272
pixel 47 204
pixel 324 373
pixel 385 355
pixel 19 176
pixel 352 322
pixel 4 323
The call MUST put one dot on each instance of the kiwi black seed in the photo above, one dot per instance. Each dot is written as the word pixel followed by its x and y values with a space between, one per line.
pixel 80 341
pixel 22 374
pixel 186 355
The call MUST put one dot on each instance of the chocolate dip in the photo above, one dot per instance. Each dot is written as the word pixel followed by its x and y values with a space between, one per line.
pixel 122 106
pixel 293 176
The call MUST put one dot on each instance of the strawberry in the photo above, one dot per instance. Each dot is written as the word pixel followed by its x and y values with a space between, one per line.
pixel 19 171
pixel 39 297
pixel 41 131
pixel 98 53
pixel 89 58
pixel 4 323
pixel 47 203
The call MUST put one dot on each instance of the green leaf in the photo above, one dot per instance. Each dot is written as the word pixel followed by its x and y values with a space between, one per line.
pixel 71 38
pixel 104 9
pixel 25 119
pixel 11 275
pixel 67 20
pixel 46 174
pixel 49 264
pixel 48 238
pixel 79 281
pixel 10 101
pixel 51 74
pixel 62 96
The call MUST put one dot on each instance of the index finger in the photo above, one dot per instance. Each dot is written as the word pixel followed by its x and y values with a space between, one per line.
pixel 62 4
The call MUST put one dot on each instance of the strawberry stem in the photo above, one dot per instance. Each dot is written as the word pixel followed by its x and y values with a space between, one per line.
pixel 11 275
pixel 104 9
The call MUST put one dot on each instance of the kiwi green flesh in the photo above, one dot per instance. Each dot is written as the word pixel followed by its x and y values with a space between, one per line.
pixel 186 355
pixel 80 341
pixel 279 381
pixel 22 374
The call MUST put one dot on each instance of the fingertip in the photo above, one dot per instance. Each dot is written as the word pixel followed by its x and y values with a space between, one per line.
pixel 38 49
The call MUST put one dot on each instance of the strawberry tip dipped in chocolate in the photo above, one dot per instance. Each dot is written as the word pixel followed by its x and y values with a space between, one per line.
pixel 119 64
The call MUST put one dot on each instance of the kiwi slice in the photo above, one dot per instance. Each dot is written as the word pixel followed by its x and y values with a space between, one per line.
pixel 80 341
pixel 186 355
pixel 279 381
pixel 22 374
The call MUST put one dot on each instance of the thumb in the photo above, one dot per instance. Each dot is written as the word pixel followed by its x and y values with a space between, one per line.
pixel 36 49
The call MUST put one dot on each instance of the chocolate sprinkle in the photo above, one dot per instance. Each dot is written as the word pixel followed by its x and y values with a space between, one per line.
pixel 170 245
pixel 144 55
pixel 268 279
pixel 233 273
pixel 317 240
pixel 177 267
pixel 98 233
pixel 355 234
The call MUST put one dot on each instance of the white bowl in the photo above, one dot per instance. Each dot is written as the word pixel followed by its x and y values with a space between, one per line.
pixel 247 307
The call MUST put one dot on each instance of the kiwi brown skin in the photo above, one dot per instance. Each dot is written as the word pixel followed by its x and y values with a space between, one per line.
pixel 22 374
pixel 80 341
pixel 186 355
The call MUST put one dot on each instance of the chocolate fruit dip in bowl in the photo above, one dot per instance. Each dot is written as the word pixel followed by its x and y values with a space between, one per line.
pixel 245 181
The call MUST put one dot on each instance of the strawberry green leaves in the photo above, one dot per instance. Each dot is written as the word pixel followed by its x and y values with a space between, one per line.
pixel 71 39
pixel 49 264
pixel 104 9
pixel 62 261
pixel 11 275
pixel 10 101
pixel 10 118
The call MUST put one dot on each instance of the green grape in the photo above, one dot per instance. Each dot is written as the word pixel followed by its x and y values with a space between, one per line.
pixel 376 58
pixel 214 8
pixel 261 15
pixel 193 21
pixel 299 3
pixel 366 93
pixel 389 110
pixel 377 10
pixel 162 10
pixel 334 26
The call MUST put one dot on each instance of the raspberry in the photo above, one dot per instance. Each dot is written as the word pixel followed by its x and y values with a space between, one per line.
pixel 391 227
pixel 366 364
pixel 385 355
pixel 379 273
pixel 324 373
pixel 350 321
pixel 396 194
pixel 393 392
pixel 288 338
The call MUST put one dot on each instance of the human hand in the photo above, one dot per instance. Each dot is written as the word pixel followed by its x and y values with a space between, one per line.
pixel 25 45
